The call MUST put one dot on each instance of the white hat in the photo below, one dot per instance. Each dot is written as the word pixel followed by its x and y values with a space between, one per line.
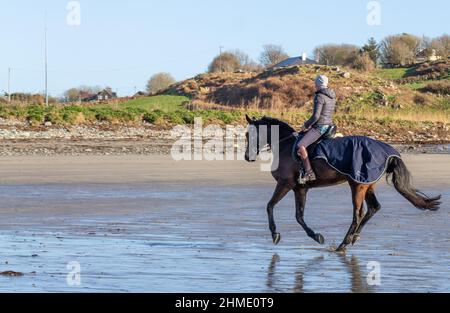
pixel 322 81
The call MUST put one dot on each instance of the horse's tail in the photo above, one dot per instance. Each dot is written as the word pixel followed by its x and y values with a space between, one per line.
pixel 401 178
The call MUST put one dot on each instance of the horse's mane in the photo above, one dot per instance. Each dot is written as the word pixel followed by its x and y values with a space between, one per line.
pixel 283 125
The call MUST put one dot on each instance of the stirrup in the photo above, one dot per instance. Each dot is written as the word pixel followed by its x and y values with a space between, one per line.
pixel 311 176
pixel 307 177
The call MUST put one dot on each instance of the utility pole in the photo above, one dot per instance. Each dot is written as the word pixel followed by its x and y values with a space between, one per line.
pixel 220 59
pixel 46 61
pixel 9 85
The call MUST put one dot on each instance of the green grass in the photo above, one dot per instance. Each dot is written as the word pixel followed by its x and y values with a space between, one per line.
pixel 162 103
pixel 392 73
pixel 160 110
pixel 416 85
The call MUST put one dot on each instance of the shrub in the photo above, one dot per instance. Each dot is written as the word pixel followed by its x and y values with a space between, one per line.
pixel 420 99
pixel 153 116
pixel 363 62
pixel 438 87
pixel 35 114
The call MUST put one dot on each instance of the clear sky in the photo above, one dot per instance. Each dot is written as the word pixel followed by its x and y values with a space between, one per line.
pixel 122 43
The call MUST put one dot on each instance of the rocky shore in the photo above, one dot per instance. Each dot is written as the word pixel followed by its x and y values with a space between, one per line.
pixel 19 139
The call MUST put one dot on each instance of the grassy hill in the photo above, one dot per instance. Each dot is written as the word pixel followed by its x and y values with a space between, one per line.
pixel 397 105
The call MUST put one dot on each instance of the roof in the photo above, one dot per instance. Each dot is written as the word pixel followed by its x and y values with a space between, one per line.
pixel 294 61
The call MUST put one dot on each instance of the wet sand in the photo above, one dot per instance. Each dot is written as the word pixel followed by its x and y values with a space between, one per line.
pixel 150 224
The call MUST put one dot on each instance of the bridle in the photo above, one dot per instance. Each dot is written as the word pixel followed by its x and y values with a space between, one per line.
pixel 267 147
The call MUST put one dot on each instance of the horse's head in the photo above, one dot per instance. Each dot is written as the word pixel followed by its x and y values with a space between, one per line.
pixel 260 134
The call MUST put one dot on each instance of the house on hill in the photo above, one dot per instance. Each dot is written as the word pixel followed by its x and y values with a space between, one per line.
pixel 301 60
pixel 140 94
pixel 427 55
pixel 104 95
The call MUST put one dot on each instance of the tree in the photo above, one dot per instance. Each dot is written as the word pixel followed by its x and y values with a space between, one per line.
pixel 272 54
pixel 225 62
pixel 334 54
pixel 245 62
pixel 442 46
pixel 72 95
pixel 76 94
pixel 372 49
pixel 159 82
pixel 400 50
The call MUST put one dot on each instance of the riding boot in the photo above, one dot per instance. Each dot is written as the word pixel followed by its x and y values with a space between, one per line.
pixel 309 173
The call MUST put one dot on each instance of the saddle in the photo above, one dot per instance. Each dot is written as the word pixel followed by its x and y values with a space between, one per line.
pixel 330 134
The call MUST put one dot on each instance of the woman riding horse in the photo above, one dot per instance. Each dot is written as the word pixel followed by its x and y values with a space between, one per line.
pixel 352 149
pixel 318 124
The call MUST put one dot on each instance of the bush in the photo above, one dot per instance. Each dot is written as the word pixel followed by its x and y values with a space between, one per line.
pixel 52 115
pixel 153 116
pixel 438 87
pixel 71 114
pixel 35 114
pixel 363 62
pixel 420 99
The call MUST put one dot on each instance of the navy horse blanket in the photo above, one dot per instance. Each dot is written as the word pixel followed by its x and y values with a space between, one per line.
pixel 363 159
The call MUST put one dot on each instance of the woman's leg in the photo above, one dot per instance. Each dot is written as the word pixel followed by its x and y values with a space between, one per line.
pixel 310 137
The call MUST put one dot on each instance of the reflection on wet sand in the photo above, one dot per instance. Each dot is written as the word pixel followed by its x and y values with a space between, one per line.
pixel 357 278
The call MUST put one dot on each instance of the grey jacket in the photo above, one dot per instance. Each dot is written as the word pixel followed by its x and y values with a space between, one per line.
pixel 324 107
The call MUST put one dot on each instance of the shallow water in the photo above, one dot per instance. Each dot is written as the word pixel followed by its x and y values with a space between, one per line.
pixel 196 238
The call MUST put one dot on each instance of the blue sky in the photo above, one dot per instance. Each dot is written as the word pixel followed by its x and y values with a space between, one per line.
pixel 122 43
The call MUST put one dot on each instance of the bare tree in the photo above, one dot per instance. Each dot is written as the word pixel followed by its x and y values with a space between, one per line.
pixel 441 45
pixel 233 61
pixel 159 82
pixel 246 62
pixel 336 54
pixel 76 94
pixel 400 50
pixel 72 95
pixel 272 54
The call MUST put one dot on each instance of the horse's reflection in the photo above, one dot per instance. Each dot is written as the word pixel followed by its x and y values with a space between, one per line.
pixel 357 277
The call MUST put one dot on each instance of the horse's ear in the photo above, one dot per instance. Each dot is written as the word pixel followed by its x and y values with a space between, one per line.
pixel 249 120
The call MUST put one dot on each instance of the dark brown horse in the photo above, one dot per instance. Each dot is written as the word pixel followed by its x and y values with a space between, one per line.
pixel 287 176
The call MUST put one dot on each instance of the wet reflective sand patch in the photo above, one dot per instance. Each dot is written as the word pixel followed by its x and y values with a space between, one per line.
pixel 188 237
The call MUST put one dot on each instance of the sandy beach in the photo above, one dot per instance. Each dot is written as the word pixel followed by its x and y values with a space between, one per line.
pixel 148 223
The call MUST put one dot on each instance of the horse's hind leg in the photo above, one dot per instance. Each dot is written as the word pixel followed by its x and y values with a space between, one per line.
pixel 358 196
pixel 281 191
pixel 373 206
pixel 300 201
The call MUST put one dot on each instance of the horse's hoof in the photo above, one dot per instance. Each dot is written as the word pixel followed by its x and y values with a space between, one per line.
pixel 355 239
pixel 341 250
pixel 276 238
pixel 319 238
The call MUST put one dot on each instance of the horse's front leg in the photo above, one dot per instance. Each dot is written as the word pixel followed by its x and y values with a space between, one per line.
pixel 282 189
pixel 300 201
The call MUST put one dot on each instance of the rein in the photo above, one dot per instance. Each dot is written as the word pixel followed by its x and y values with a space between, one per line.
pixel 268 147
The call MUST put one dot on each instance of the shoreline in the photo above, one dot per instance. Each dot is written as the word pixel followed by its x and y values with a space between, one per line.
pixel 159 144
